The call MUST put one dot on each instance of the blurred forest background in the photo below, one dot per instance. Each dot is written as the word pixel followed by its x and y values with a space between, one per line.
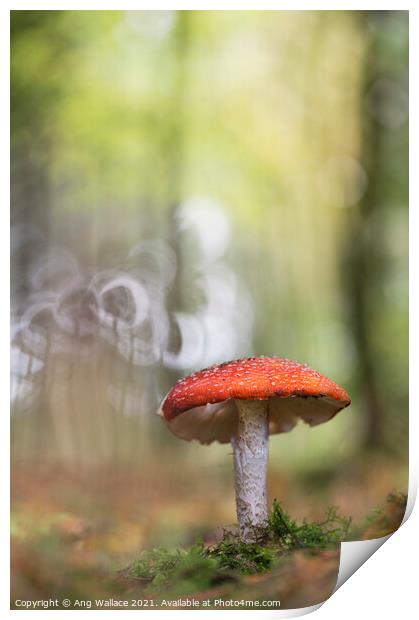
pixel 190 187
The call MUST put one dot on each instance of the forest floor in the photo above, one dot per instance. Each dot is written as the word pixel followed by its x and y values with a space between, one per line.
pixel 89 536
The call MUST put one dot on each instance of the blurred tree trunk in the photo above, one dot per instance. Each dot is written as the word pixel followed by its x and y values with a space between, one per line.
pixel 175 166
pixel 31 102
pixel 363 262
pixel 29 213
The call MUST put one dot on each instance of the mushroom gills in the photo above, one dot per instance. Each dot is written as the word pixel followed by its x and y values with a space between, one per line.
pixel 284 413
pixel 219 421
pixel 212 422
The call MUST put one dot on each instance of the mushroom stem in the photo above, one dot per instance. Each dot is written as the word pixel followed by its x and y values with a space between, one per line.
pixel 250 450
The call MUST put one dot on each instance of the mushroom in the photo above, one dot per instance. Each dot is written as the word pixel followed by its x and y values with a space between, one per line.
pixel 243 402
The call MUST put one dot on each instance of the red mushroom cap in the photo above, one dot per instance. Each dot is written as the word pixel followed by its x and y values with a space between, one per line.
pixel 201 406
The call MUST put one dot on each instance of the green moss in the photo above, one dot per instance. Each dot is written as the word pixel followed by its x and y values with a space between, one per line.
pixel 179 572
pixel 307 535
pixel 245 558
pixel 182 571
pixel 154 563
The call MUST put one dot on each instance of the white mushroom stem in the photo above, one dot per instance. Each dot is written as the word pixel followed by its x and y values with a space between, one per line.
pixel 250 450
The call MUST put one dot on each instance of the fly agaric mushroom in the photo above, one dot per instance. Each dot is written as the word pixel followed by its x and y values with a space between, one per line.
pixel 244 401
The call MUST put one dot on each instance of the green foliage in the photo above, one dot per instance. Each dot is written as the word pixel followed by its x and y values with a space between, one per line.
pixel 246 558
pixel 180 571
pixel 292 535
pixel 154 563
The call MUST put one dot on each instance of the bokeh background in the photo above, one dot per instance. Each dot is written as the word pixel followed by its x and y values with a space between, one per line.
pixel 190 187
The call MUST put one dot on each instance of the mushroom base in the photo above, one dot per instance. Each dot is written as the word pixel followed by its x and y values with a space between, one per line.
pixel 250 450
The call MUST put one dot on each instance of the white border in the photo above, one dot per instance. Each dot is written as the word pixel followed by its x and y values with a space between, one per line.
pixel 386 584
pixel 216 5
